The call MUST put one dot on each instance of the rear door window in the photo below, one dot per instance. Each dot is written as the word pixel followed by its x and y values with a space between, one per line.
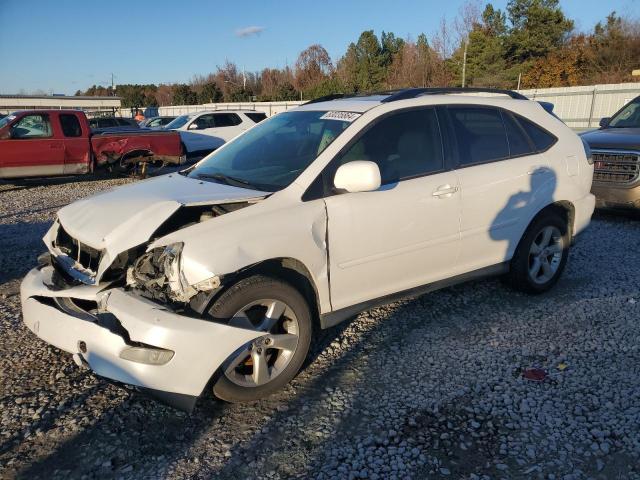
pixel 480 134
pixel 107 123
pixel 540 137
pixel 123 122
pixel 227 120
pixel 70 125
pixel 204 121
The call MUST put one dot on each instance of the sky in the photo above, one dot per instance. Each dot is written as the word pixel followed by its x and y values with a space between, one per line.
pixel 61 46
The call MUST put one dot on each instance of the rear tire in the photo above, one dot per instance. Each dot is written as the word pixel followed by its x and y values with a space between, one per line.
pixel 541 255
pixel 268 363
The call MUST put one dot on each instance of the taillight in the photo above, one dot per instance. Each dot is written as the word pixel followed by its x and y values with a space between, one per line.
pixel 587 151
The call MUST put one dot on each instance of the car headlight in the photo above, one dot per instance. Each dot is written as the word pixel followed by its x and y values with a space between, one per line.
pixel 159 272
pixel 170 262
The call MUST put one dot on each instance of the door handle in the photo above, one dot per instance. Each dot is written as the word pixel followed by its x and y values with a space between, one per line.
pixel 56 146
pixel 444 191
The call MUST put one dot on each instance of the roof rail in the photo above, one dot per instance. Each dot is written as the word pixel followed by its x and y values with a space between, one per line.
pixel 326 98
pixel 336 96
pixel 417 92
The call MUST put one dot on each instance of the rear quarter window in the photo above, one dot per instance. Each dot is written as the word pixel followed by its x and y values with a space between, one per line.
pixel 70 125
pixel 226 120
pixel 257 117
pixel 519 143
pixel 542 139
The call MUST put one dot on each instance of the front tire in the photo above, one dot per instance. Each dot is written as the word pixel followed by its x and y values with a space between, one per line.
pixel 271 361
pixel 541 255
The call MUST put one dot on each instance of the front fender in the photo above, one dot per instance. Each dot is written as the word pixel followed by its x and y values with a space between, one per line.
pixel 230 243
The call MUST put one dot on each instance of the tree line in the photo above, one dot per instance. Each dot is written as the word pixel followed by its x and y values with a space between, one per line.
pixel 532 44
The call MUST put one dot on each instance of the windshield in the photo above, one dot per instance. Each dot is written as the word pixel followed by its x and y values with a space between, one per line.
pixel 273 153
pixel 6 120
pixel 629 117
pixel 177 122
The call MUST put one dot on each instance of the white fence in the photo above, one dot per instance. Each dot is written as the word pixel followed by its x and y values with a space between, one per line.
pixel 578 107
pixel 583 107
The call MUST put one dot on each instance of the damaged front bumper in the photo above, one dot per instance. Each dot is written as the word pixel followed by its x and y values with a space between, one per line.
pixel 121 321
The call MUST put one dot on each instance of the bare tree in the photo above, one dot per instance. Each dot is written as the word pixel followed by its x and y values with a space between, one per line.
pixel 469 15
pixel 312 67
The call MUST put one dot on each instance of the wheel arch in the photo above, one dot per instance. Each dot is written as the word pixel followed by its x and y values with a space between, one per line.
pixel 288 269
pixel 562 207
pixel 135 153
pixel 567 210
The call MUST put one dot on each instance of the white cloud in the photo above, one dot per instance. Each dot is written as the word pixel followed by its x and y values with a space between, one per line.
pixel 248 31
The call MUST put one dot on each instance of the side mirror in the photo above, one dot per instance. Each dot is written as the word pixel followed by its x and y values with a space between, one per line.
pixel 604 122
pixel 358 176
pixel 193 126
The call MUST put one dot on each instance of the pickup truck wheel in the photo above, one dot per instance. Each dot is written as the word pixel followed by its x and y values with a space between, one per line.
pixel 541 254
pixel 269 362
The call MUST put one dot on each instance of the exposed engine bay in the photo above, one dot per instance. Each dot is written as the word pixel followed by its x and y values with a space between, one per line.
pixel 155 274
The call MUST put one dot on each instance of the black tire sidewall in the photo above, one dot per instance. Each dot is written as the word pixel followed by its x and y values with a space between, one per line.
pixel 236 297
pixel 519 274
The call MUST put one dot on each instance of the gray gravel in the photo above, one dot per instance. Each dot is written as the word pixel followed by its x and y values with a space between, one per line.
pixel 430 387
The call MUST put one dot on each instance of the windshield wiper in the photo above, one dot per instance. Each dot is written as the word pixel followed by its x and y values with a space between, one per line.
pixel 229 180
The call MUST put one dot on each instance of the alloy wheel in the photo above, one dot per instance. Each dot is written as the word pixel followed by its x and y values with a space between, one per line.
pixel 545 254
pixel 263 359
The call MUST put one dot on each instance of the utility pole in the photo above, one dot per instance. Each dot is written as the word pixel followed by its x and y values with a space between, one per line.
pixel 519 77
pixel 464 61
pixel 244 79
pixel 113 87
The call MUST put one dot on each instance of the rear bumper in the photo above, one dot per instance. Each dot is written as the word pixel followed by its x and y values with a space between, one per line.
pixel 616 197
pixel 96 339
pixel 583 210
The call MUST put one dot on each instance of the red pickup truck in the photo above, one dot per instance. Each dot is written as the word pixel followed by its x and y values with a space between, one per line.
pixel 37 143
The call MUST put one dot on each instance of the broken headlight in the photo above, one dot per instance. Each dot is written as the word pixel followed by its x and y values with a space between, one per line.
pixel 159 274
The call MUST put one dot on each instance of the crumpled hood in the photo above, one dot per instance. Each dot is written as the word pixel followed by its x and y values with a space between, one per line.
pixel 127 216
pixel 614 138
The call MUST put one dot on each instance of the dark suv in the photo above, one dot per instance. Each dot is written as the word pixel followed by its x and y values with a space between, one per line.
pixel 113 123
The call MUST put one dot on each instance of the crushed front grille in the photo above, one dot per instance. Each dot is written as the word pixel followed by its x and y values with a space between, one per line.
pixel 621 168
pixel 86 256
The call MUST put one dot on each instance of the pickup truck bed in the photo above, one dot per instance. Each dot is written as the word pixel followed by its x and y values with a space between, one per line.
pixel 38 143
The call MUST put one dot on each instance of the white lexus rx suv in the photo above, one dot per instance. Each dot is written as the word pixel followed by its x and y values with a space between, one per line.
pixel 203 132
pixel 214 279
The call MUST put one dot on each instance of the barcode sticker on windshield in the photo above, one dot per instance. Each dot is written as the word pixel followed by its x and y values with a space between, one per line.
pixel 343 116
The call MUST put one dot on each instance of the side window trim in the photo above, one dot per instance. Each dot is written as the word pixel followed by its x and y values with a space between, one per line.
pixel 512 117
pixel 325 176
pixel 449 144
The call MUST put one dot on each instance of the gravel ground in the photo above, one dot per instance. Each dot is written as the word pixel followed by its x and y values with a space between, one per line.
pixel 424 388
